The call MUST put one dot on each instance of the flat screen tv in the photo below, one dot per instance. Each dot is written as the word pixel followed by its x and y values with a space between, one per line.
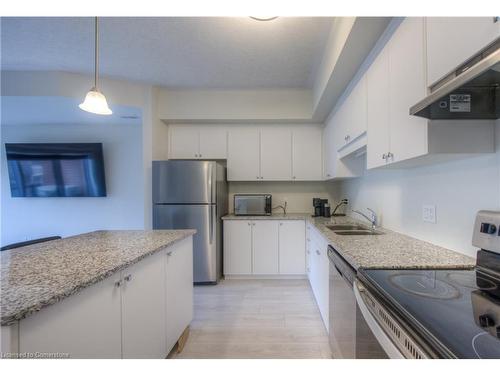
pixel 56 169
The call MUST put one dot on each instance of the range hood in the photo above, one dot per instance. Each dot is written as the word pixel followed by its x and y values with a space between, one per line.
pixel 469 92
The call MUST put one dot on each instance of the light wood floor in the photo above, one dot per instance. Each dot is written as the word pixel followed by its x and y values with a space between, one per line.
pixel 256 319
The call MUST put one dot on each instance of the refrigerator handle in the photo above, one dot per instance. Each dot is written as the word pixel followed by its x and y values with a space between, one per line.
pixel 211 182
pixel 211 225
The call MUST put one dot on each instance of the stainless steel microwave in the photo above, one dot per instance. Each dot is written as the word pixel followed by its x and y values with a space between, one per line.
pixel 252 204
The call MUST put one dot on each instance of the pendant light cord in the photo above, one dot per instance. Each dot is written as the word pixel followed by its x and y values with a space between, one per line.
pixel 96 53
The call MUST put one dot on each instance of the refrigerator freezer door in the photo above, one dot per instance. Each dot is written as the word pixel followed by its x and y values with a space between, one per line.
pixel 205 241
pixel 184 181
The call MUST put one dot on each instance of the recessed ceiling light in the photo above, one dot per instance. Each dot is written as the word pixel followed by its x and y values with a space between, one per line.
pixel 263 18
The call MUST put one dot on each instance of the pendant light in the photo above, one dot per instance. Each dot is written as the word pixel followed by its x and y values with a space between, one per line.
pixel 95 101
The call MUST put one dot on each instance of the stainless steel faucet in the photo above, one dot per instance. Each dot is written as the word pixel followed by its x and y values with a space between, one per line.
pixel 372 218
pixel 283 207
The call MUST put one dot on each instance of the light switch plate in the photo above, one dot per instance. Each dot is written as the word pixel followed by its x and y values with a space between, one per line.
pixel 429 213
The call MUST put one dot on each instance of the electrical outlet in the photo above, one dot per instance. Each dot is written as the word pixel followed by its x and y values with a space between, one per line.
pixel 429 213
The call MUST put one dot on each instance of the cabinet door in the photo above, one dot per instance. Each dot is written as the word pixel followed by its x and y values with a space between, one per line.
pixel 377 84
pixel 237 247
pixel 184 142
pixel 84 325
pixel 143 308
pixel 213 143
pixel 276 154
pixel 306 158
pixel 451 41
pixel 308 251
pixel 292 246
pixel 265 247
pixel 329 151
pixel 353 114
pixel 179 290
pixel 243 155
pixel 408 134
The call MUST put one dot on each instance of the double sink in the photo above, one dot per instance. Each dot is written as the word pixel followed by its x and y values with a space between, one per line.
pixel 353 230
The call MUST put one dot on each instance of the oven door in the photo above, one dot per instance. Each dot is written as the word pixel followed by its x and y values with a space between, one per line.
pixel 391 336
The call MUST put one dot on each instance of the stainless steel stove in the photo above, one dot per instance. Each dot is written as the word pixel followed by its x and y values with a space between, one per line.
pixel 439 313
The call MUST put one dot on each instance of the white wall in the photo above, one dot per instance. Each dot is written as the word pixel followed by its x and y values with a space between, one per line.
pixel 298 194
pixel 118 93
pixel 123 208
pixel 458 189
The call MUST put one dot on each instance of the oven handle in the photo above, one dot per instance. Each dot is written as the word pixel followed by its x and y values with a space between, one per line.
pixel 385 342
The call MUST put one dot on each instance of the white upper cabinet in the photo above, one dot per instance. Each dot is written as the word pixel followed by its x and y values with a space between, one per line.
pixel 352 115
pixel 396 81
pixel 197 142
pixel 377 83
pixel 213 142
pixel 184 142
pixel 276 153
pixel 329 151
pixel 243 162
pixel 307 154
pixel 451 41
pixel 408 134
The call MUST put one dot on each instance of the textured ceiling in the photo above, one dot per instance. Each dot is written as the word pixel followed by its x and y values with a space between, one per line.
pixel 213 52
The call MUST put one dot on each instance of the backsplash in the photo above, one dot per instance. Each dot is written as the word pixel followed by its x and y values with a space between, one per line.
pixel 298 195
pixel 457 189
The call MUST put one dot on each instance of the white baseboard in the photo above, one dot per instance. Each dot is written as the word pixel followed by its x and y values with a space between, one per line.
pixel 265 277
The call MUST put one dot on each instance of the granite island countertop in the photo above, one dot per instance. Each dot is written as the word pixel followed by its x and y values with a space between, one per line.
pixel 40 275
pixel 387 251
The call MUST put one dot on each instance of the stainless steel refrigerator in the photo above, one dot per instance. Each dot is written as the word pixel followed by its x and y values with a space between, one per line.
pixel 193 195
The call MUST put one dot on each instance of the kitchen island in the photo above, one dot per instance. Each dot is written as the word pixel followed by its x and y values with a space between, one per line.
pixel 111 294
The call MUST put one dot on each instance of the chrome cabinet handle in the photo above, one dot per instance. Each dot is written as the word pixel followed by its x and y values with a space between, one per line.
pixel 248 223
pixel 390 155
pixel 496 19
pixel 169 254
pixel 128 277
pixel 118 284
pixel 384 156
pixel 317 252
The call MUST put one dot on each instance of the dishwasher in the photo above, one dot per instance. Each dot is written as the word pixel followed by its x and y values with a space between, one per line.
pixel 349 335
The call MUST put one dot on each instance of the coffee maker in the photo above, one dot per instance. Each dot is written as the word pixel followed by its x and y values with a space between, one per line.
pixel 319 207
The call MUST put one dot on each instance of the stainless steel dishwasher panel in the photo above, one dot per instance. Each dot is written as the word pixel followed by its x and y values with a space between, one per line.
pixel 342 316
pixel 350 336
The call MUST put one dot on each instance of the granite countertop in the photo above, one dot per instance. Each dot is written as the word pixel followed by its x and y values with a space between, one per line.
pixel 39 275
pixel 389 250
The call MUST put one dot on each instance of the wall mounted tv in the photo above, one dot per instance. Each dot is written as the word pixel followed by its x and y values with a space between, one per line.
pixel 56 169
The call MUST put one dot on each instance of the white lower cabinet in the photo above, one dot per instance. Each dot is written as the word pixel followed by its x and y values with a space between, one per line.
pixel 139 312
pixel 292 258
pixel 237 247
pixel 143 308
pixel 264 247
pixel 318 272
pixel 85 325
pixel 179 290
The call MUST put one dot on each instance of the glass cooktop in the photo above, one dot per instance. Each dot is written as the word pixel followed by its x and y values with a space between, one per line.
pixel 450 305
